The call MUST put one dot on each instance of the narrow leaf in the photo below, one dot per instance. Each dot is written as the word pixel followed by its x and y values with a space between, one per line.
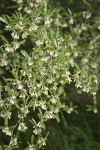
pixel 24 53
pixel 3 20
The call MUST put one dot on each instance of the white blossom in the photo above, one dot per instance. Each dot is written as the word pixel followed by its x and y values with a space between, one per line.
pixel 86 14
pixel 15 35
pixel 70 110
pixel 53 100
pixel 19 25
pixel 9 49
pixel 41 141
pixel 20 87
pixel 32 147
pixel 37 130
pixel 71 21
pixel 99 27
pixel 49 115
pixel 7 131
pixel 13 142
pixel 24 35
pixel 22 126
pixel 48 22
pixel 34 27
pixel 38 43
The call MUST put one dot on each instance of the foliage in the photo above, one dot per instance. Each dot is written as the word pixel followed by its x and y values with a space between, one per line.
pixel 44 49
pixel 73 136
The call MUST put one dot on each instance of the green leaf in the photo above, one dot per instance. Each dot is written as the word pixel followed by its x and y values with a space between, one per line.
pixel 3 20
pixel 40 113
pixel 5 80
pixel 4 39
pixel 22 42
pixel 17 106
pixel 15 147
pixel 32 139
pixel 57 118
pixel 60 91
pixel 86 2
pixel 24 53
pixel 71 104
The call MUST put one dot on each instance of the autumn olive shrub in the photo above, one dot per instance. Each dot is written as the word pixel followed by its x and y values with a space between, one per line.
pixel 44 48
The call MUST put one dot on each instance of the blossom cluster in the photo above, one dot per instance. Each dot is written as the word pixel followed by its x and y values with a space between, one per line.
pixel 42 61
